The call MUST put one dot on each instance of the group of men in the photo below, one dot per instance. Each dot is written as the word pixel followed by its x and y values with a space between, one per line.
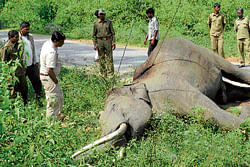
pixel 20 48
pixel 217 22
pixel 104 36
pixel 19 51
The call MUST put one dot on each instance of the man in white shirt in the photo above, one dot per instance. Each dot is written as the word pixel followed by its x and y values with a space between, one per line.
pixel 153 31
pixel 31 59
pixel 49 71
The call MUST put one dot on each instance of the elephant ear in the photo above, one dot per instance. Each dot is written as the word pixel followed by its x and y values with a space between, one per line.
pixel 127 104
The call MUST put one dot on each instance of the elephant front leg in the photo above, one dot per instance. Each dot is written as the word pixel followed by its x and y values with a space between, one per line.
pixel 185 100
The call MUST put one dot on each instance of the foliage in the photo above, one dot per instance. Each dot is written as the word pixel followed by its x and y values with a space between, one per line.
pixel 76 17
pixel 28 139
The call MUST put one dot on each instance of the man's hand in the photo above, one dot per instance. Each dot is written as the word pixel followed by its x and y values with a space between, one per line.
pixel 113 46
pixel 95 47
pixel 153 42
pixel 52 75
pixel 56 81
pixel 145 41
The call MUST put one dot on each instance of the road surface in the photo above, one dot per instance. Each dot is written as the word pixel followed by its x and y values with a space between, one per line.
pixel 76 53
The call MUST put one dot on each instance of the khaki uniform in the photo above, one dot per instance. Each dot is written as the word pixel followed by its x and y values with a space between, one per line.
pixel 216 24
pixel 9 53
pixel 54 96
pixel 103 38
pixel 242 27
pixel 54 93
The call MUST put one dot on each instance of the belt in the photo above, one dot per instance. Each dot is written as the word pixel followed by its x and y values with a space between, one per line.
pixel 104 38
pixel 44 74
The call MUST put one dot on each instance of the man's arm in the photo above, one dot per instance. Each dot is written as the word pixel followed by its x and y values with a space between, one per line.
pixel 223 21
pixel 156 28
pixel 235 26
pixel 249 26
pixel 3 54
pixel 52 75
pixel 209 22
pixel 51 61
pixel 145 40
pixel 36 57
pixel 113 35
pixel 94 37
pixel 155 34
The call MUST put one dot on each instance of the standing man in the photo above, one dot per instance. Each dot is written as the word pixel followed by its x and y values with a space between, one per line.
pixel 153 31
pixel 49 71
pixel 13 51
pixel 216 22
pixel 32 60
pixel 104 42
pixel 242 27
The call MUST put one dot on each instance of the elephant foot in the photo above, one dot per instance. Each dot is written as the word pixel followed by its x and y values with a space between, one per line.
pixel 245 113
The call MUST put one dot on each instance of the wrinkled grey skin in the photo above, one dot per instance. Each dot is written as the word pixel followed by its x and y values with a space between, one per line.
pixel 181 74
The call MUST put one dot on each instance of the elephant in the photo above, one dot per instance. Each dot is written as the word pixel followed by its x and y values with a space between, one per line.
pixel 179 74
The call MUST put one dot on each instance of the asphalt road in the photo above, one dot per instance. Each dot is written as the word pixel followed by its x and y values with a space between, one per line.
pixel 76 53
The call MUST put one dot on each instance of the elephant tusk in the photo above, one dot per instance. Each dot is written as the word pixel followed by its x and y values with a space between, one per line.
pixel 122 129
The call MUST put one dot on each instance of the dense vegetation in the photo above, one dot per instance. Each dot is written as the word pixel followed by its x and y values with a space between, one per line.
pixel 76 17
pixel 28 139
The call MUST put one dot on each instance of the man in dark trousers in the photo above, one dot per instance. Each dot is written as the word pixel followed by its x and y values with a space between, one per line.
pixel 31 59
pixel 153 31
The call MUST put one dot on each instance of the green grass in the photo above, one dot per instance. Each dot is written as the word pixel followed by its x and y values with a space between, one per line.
pixel 28 139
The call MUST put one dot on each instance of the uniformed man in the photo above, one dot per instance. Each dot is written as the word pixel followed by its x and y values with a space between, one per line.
pixel 153 31
pixel 49 71
pixel 242 27
pixel 216 22
pixel 104 42
pixel 32 60
pixel 13 51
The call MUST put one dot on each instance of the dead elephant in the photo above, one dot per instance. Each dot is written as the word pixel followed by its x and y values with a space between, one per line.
pixel 182 74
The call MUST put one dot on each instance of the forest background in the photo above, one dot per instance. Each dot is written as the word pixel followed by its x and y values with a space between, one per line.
pixel 75 18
